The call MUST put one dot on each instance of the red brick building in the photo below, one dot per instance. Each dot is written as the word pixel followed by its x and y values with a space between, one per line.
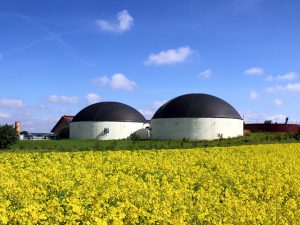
pixel 272 127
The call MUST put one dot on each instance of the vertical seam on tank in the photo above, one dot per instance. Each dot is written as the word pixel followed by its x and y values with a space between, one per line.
pixel 190 105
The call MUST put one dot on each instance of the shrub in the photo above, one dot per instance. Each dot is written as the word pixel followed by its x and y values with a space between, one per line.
pixel 296 136
pixel 134 137
pixel 8 136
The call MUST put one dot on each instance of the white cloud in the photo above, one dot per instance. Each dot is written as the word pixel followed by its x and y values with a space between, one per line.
pixel 123 23
pixel 157 104
pixel 63 99
pixel 4 115
pixel 117 81
pixel 253 95
pixel 254 71
pixel 288 76
pixel 92 98
pixel 205 74
pixel 170 56
pixel 11 103
pixel 292 87
pixel 278 102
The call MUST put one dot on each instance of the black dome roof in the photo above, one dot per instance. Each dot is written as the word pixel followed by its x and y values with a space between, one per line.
pixel 196 106
pixel 109 111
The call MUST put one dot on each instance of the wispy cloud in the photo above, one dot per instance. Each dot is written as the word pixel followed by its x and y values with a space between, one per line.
pixel 278 102
pixel 288 76
pixel 283 77
pixel 205 74
pixel 62 99
pixel 11 103
pixel 123 23
pixel 116 81
pixel 170 56
pixel 291 87
pixel 4 115
pixel 254 71
pixel 92 98
pixel 254 95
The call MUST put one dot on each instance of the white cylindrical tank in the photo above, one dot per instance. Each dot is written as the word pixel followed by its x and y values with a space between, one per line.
pixel 103 130
pixel 196 128
pixel 106 121
pixel 196 117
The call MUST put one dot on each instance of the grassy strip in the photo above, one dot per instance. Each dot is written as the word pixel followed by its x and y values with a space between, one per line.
pixel 78 145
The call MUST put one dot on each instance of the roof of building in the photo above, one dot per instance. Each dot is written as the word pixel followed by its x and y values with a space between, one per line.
pixel 196 106
pixel 109 111
pixel 63 119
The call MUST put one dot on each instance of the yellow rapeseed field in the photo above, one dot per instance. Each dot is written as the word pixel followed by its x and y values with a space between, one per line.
pixel 257 184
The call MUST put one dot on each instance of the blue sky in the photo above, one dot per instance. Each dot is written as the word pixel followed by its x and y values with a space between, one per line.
pixel 59 56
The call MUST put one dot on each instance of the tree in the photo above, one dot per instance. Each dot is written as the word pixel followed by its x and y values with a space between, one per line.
pixel 8 136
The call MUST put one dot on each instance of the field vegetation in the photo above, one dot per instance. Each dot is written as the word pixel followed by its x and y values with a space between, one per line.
pixel 253 179
pixel 136 144
pixel 250 184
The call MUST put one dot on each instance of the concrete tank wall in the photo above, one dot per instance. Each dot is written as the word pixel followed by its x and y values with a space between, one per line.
pixel 195 128
pixel 95 130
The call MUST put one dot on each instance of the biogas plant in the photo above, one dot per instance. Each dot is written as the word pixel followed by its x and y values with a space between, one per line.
pixel 188 117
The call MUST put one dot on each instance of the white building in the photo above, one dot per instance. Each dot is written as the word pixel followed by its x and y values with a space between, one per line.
pixel 107 121
pixel 196 117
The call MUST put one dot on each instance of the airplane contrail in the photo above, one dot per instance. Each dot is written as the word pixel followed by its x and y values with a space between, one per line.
pixel 51 36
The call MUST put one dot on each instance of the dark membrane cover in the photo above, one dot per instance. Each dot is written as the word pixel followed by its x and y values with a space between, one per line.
pixel 196 106
pixel 109 111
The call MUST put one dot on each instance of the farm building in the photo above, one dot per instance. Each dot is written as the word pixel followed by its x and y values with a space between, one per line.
pixel 62 127
pixel 107 121
pixel 273 127
pixel 196 117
